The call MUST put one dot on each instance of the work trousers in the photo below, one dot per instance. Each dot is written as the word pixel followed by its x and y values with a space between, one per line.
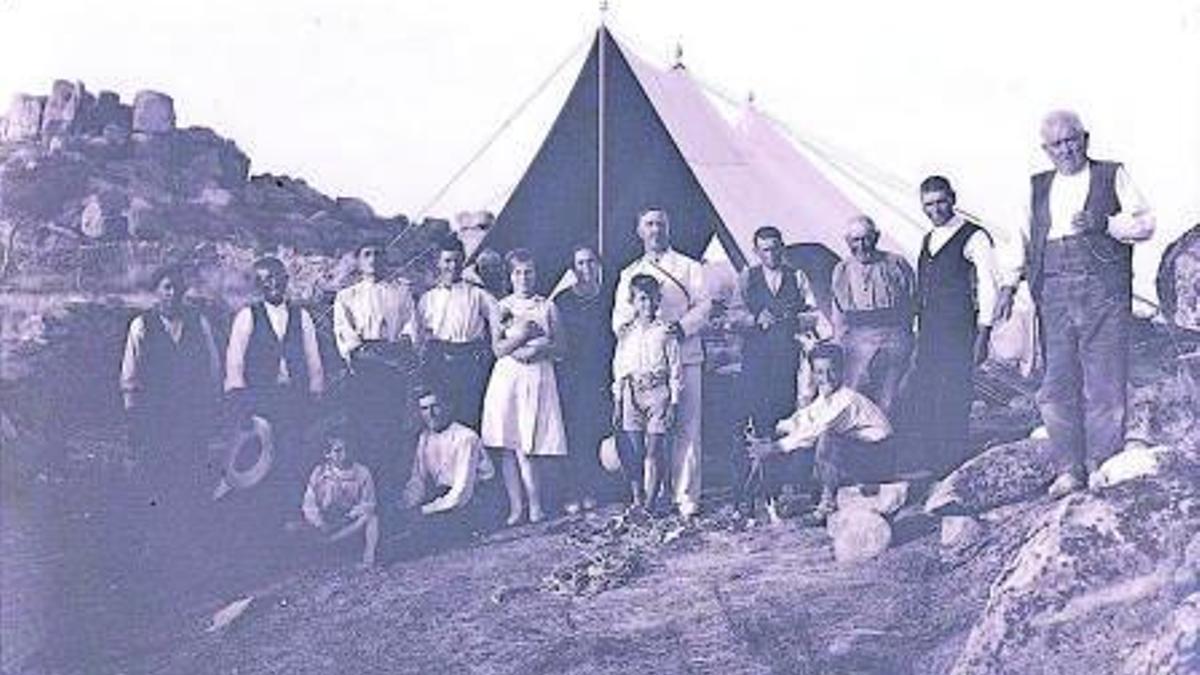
pixel 876 360
pixel 1085 328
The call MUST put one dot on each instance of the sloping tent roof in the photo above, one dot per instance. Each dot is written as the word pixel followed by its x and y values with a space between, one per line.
pixel 665 145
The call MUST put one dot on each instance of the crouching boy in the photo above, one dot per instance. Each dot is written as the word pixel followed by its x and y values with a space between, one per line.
pixel 849 432
pixel 339 501
pixel 647 381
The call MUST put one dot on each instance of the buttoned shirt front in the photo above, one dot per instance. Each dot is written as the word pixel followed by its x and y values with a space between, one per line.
pixel 458 313
pixel 645 349
pixel 372 310
pixel 684 298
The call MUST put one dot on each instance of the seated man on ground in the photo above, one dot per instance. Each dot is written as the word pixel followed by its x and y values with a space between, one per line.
pixel 339 501
pixel 449 462
pixel 846 428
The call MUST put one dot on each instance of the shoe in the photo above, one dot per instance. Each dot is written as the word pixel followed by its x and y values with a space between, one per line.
pixel 1065 484
pixel 589 503
pixel 688 508
pixel 773 516
pixel 571 508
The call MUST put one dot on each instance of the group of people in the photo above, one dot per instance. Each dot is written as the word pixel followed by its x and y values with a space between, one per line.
pixel 879 387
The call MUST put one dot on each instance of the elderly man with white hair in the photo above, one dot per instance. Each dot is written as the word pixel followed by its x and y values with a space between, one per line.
pixel 1084 217
pixel 873 307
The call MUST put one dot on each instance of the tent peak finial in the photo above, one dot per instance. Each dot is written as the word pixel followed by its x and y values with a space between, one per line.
pixel 603 10
pixel 678 56
pixel 750 98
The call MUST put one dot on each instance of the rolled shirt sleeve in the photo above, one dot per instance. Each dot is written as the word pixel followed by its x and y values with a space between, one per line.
pixel 235 351
pixel 462 486
pixel 1135 221
pixel 131 363
pixel 312 353
pixel 980 252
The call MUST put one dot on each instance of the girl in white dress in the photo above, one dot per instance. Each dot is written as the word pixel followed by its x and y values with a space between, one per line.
pixel 521 412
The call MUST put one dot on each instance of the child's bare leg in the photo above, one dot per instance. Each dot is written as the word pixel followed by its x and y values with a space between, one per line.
pixel 529 480
pixel 657 468
pixel 634 467
pixel 512 485
pixel 372 540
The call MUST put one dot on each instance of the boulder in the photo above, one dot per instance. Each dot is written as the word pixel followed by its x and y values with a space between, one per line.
pixel 960 531
pixel 858 534
pixel 110 111
pixel 103 216
pixel 115 134
pixel 884 499
pixel 1178 280
pixel 146 221
pixel 23 122
pixel 355 208
pixel 1175 649
pixel 1092 580
pixel 153 112
pixel 67 110
pixel 1003 474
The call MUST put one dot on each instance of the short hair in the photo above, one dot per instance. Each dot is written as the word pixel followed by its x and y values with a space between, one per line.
pixel 451 244
pixel 654 209
pixel 1065 118
pixel 646 284
pixel 271 264
pixel 578 248
pixel 519 256
pixel 488 256
pixel 936 184
pixel 371 243
pixel 175 272
pixel 768 232
pixel 828 351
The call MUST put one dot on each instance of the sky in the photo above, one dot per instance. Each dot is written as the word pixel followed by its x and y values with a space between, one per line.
pixel 387 100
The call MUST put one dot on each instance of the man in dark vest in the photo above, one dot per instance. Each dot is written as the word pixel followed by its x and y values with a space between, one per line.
pixel 777 306
pixel 1084 217
pixel 956 299
pixel 169 383
pixel 273 369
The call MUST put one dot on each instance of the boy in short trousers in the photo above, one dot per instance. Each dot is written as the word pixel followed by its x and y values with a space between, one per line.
pixel 647 380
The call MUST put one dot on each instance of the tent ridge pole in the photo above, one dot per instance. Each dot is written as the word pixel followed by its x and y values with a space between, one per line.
pixel 600 75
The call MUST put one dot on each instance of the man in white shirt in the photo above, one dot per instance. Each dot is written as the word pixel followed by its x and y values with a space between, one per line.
pixel 1084 217
pixel 846 428
pixel 273 369
pixel 956 299
pixel 449 461
pixel 685 308
pixel 374 326
pixel 453 320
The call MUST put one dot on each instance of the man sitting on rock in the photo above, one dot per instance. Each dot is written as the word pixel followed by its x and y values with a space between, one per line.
pixel 339 501
pixel 846 428
pixel 449 462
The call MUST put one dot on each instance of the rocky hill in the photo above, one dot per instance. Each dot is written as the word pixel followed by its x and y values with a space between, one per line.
pixel 96 193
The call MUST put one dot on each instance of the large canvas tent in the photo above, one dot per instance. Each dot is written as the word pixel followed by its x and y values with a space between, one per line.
pixel 631 136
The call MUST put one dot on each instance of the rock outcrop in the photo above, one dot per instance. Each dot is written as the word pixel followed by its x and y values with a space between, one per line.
pixel 153 112
pixel 1092 582
pixel 1004 474
pixel 23 122
pixel 1178 280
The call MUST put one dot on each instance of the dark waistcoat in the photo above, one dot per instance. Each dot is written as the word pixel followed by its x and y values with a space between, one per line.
pixel 266 349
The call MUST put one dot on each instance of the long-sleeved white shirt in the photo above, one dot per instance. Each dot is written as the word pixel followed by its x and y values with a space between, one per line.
pixel 648 349
pixel 980 253
pixel 344 493
pixel 845 412
pixel 452 458
pixel 740 312
pixel 684 298
pixel 277 316
pixel 372 310
pixel 1068 194
pixel 459 313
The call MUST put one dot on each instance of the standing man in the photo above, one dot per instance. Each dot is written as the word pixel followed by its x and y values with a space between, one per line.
pixel 373 323
pixel 585 373
pixel 454 322
pixel 1085 216
pixel 685 308
pixel 956 299
pixel 873 309
pixel 779 305
pixel 170 381
pixel 273 364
